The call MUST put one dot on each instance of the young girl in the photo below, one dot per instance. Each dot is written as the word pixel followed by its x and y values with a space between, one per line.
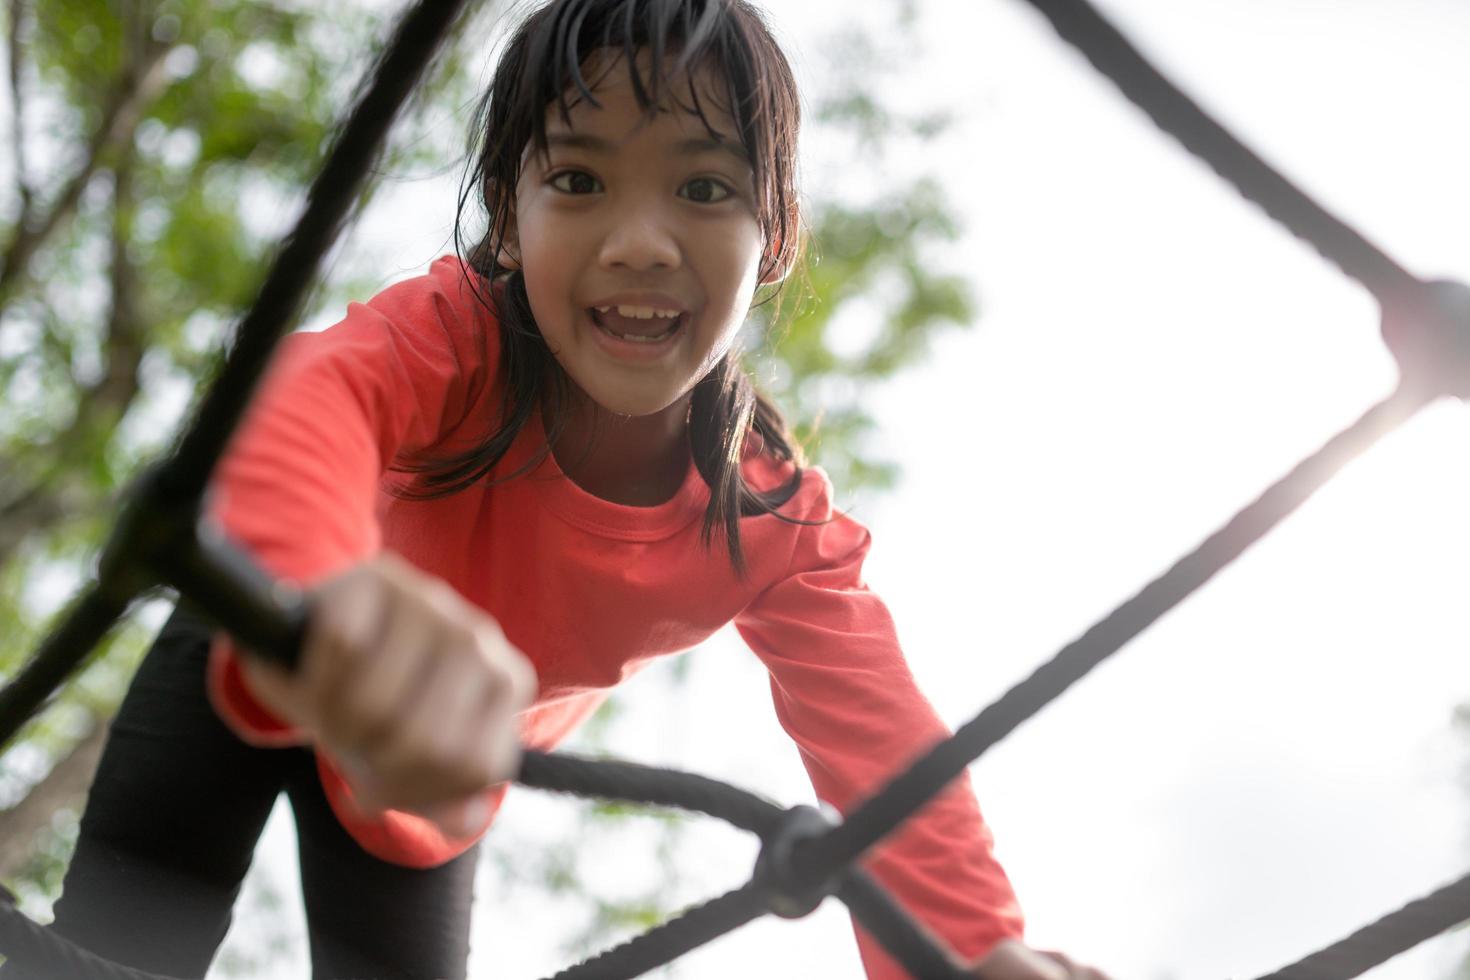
pixel 508 484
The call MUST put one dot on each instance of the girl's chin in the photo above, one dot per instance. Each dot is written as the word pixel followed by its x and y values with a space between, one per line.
pixel 636 407
pixel 628 404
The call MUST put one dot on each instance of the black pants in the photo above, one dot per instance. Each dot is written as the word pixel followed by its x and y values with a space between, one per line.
pixel 172 823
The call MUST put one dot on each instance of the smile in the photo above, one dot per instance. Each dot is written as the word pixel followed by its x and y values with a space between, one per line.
pixel 637 325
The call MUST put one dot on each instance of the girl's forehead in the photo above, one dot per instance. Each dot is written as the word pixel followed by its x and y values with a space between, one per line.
pixel 686 95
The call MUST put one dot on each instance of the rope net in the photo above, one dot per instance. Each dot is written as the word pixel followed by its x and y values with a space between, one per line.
pixel 804 858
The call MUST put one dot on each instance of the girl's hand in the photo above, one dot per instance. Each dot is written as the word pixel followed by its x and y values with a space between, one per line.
pixel 1013 960
pixel 411 688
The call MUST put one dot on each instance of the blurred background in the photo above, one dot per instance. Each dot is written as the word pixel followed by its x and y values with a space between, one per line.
pixel 1042 353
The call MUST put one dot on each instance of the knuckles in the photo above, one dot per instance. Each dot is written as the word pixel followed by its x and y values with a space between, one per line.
pixel 420 747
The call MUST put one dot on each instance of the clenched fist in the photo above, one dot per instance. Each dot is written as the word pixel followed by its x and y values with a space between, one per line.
pixel 409 687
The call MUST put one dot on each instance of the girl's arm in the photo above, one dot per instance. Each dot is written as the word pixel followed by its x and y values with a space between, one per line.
pixel 299 489
pixel 398 376
pixel 844 693
pixel 846 696
pixel 299 485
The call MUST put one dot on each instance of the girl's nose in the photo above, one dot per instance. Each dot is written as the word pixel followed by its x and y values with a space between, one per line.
pixel 639 242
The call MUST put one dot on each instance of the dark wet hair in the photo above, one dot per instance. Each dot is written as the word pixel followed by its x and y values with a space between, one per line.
pixel 542 66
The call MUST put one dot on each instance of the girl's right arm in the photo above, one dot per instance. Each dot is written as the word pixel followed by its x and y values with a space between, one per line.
pixel 299 489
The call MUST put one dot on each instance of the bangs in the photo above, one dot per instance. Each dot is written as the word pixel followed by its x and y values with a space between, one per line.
pixel 589 35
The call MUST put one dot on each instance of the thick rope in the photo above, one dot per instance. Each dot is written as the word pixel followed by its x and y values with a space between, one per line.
pixel 632 783
pixel 821 857
pixel 33 952
pixel 330 199
pixel 1395 933
pixel 915 949
pixel 665 943
pixel 1080 25
pixel 86 621
pixel 181 481
pixel 911 790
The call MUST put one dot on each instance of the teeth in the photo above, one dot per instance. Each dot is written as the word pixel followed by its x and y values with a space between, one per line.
pixel 640 312
pixel 636 338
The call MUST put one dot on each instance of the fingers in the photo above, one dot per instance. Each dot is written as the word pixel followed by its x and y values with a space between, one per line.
pixel 1014 960
pixel 411 688
pixel 435 751
pixel 359 656
pixel 464 818
pixel 1075 970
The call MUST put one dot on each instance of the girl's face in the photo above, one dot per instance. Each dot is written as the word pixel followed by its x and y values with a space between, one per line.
pixel 639 242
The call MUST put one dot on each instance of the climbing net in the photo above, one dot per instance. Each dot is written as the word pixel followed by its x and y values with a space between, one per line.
pixel 804 857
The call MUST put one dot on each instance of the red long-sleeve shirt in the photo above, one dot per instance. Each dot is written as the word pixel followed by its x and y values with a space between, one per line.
pixel 587 589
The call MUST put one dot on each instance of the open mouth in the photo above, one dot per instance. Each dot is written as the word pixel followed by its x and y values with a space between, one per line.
pixel 636 329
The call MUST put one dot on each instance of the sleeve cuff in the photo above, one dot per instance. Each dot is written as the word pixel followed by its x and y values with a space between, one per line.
pixel 238 708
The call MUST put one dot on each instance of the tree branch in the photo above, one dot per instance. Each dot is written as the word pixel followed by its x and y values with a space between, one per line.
pixel 64 786
pixel 139 86
pixel 104 401
pixel 56 490
pixel 22 183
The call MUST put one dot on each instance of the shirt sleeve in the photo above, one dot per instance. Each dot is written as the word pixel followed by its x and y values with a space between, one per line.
pixel 846 696
pixel 298 487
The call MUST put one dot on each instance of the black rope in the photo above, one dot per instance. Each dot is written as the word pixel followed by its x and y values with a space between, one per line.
pixel 410 49
pixel 180 482
pixel 912 789
pixel 39 953
pixel 33 952
pixel 665 943
pixel 1395 933
pixel 86 621
pixel 1080 25
pixel 819 857
pixel 913 948
pixel 632 783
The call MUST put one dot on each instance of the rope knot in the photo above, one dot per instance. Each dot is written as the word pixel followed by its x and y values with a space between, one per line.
pixel 1429 335
pixel 788 893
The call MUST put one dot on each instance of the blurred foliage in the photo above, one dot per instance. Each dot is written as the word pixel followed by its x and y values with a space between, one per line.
pixel 869 297
pixel 819 380
pixel 157 151
pixel 154 154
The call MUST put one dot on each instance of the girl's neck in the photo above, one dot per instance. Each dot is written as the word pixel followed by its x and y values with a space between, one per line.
pixel 640 461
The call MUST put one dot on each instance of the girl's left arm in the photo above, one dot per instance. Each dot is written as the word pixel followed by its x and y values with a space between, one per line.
pixel 844 693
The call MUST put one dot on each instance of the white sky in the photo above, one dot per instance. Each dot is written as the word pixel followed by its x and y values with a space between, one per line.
pixel 1273 764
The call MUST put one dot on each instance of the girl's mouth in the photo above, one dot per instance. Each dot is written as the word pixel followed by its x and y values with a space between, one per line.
pixel 635 329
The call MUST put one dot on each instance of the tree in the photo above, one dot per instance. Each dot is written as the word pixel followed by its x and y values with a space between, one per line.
pixel 157 149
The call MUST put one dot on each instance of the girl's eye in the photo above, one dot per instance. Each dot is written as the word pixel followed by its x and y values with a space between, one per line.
pixel 576 182
pixel 706 190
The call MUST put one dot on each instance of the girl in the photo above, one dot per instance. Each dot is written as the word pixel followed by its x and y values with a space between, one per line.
pixel 508 483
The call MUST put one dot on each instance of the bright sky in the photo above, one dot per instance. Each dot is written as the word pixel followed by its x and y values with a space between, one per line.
pixel 1272 765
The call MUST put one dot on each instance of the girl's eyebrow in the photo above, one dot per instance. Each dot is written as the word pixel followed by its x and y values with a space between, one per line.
pixel 709 144
pixel 687 147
